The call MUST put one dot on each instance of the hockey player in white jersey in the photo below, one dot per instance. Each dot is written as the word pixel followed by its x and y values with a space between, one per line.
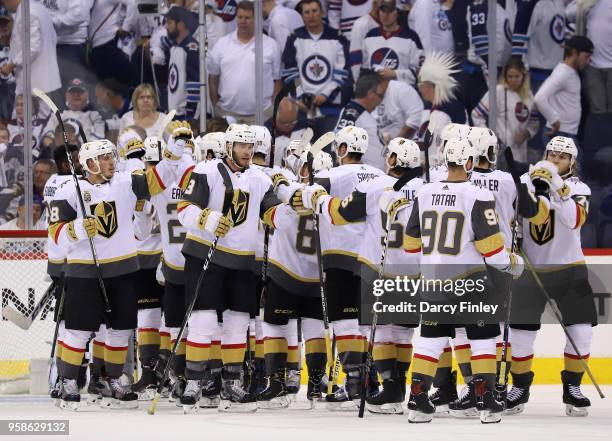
pixel 340 248
pixel 210 146
pixel 292 292
pixel 437 166
pixel 456 205
pixel 110 199
pixel 208 211
pixel 554 204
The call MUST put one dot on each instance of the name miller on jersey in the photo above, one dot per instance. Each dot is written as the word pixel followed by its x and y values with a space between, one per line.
pixel 489 184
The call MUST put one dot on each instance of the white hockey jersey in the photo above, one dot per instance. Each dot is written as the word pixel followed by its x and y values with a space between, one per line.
pixel 400 51
pixel 401 106
pixel 56 256
pixel 555 242
pixel 340 243
pixel 362 26
pixel 252 198
pixel 342 14
pixel 147 230
pixel 429 19
pixel 454 226
pixel 502 186
pixel 539 32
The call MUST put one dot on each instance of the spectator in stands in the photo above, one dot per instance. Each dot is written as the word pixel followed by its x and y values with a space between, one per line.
pixel 369 93
pixel 392 50
pixel 216 124
pixel 43 41
pixel 61 160
pixel 516 119
pixel 7 82
pixel 4 139
pixel 71 22
pixel 112 103
pixel 42 124
pixel 400 112
pixel 184 64
pixel 362 26
pixel 231 69
pixel 79 109
pixel 41 172
pixel 539 33
pixel 19 222
pixel 595 24
pixel 290 122
pixel 105 30
pixel 430 20
pixel 558 99
pixel 145 113
pixel 342 14
pixel 317 56
pixel 280 21
pixel 72 134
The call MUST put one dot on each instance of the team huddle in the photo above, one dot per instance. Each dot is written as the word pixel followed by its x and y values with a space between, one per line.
pixel 264 262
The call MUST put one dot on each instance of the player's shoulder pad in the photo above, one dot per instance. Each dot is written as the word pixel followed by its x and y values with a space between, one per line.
pixel 206 167
pixel 480 193
pixel 65 189
pixel 577 187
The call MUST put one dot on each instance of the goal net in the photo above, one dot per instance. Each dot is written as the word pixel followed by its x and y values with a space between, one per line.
pixel 23 281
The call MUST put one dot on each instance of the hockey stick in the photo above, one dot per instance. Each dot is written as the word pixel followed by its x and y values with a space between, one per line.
pixel 25 321
pixel 229 192
pixel 167 120
pixel 397 206
pixel 502 372
pixel 431 126
pixel 553 305
pixel 58 315
pixel 49 102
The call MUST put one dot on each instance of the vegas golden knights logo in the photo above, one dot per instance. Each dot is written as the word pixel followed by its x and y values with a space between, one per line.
pixel 106 216
pixel 544 233
pixel 239 208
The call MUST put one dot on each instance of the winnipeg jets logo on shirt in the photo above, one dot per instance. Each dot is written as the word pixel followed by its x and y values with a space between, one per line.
pixel 226 9
pixel 316 69
pixel 173 77
pixel 357 2
pixel 521 111
pixel 443 22
pixel 557 28
pixel 384 57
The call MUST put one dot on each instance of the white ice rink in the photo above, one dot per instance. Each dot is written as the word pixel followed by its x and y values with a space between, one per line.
pixel 543 420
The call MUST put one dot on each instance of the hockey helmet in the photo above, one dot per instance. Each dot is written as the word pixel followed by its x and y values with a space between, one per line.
pixel 154 147
pixel 321 161
pixel 563 144
pixel 93 150
pixel 238 133
pixel 355 138
pixel 459 152
pixel 263 140
pixel 407 153
pixel 454 130
pixel 485 143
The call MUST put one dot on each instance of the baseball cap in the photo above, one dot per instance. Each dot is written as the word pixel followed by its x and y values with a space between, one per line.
pixel 580 43
pixel 76 83
pixel 387 4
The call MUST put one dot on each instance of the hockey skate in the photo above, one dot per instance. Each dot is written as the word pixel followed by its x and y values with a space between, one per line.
pixel 347 397
pixel 146 385
pixel 190 397
pixel 274 396
pixel 118 396
pixel 56 391
pixel 489 408
pixel 210 391
pixel 176 390
pixel 444 395
pixel 315 387
pixel 233 397
pixel 420 407
pixel 69 397
pixel 292 383
pixel 518 395
pixel 465 405
pixel 576 404
pixel 95 390
pixel 388 400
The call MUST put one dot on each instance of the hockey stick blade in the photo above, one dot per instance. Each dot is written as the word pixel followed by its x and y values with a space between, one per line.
pixel 325 140
pixel 45 98
pixel 509 156
pixel 18 319
pixel 306 136
pixel 167 120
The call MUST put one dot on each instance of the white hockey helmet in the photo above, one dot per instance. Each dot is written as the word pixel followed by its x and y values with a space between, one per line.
pixel 297 147
pixel 129 142
pixel 214 141
pixel 485 143
pixel 407 153
pixel 93 150
pixel 154 147
pixel 321 161
pixel 454 130
pixel 263 140
pixel 238 133
pixel 563 144
pixel 460 151
pixel 355 138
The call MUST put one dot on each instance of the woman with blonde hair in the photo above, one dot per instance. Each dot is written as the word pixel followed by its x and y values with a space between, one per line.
pixel 517 117
pixel 144 113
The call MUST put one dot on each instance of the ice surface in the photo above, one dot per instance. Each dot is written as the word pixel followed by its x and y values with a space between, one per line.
pixel 544 420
